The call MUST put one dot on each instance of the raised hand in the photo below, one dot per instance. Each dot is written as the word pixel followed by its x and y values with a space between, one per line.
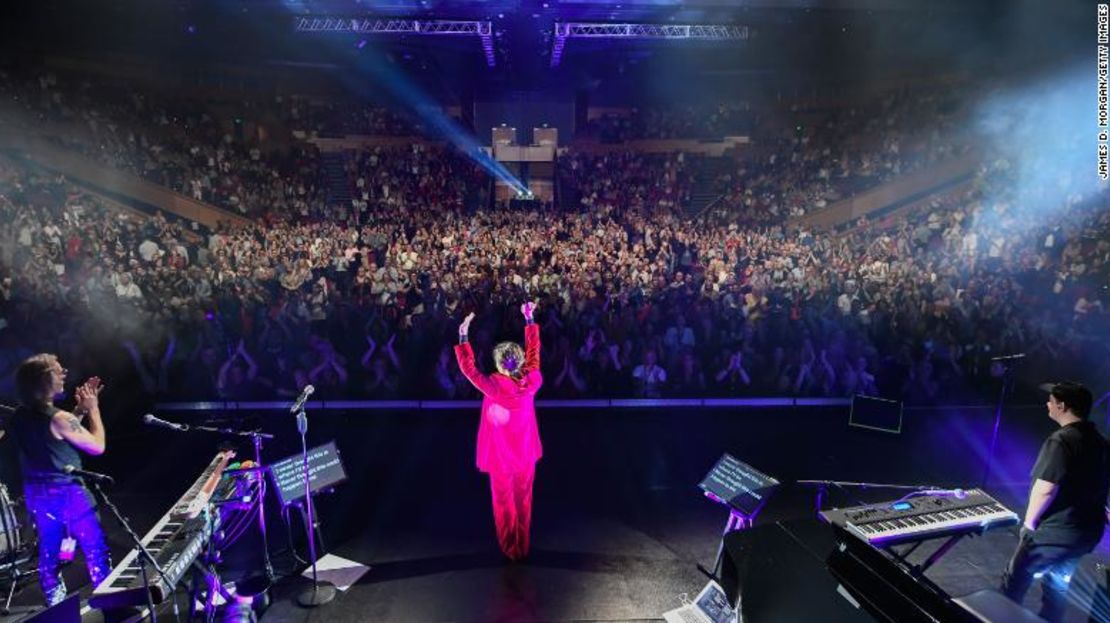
pixel 528 309
pixel 87 393
pixel 464 328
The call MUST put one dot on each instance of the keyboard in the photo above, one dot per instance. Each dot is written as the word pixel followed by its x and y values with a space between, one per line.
pixel 883 580
pixel 922 517
pixel 175 541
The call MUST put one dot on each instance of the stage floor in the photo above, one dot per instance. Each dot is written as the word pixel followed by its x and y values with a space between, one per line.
pixel 586 566
pixel 619 522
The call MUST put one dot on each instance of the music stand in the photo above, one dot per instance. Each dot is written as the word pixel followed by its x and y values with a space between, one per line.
pixel 325 468
pixel 744 490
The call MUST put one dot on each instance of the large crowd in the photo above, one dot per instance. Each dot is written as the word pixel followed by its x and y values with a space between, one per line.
pixel 635 298
pixel 807 167
pixel 677 121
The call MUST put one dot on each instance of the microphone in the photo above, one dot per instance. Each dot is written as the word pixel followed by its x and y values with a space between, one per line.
pixel 155 421
pixel 303 398
pixel 100 479
pixel 1009 357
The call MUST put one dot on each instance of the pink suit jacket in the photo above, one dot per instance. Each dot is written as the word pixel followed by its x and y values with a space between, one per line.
pixel 508 437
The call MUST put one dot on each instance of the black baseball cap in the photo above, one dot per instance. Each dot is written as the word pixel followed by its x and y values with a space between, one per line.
pixel 1075 395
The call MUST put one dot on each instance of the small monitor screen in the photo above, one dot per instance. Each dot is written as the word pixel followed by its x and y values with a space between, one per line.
pixel 714 604
pixel 739 485
pixel 324 469
pixel 876 414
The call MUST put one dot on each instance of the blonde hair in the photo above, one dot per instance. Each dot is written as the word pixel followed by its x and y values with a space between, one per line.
pixel 506 350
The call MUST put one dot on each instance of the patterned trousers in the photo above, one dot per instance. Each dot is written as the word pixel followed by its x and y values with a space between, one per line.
pixel 60 510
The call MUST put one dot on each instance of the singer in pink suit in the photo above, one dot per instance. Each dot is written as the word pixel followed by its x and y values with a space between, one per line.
pixel 508 436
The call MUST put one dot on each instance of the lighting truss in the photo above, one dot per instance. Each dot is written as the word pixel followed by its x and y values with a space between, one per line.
pixel 373 26
pixel 602 30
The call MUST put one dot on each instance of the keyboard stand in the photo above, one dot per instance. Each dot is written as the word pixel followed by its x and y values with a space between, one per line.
pixel 206 580
pixel 939 553
pixel 902 558
pixel 144 556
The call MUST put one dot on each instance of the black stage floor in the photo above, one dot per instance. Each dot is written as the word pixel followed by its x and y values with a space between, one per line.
pixel 619 522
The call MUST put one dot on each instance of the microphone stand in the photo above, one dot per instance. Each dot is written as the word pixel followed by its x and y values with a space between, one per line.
pixel 1007 388
pixel 256 440
pixel 823 487
pixel 145 556
pixel 321 592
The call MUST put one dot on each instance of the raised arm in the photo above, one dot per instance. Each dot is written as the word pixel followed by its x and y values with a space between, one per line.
pixel 164 365
pixel 365 361
pixel 392 354
pixel 464 354
pixel 252 367
pixel 221 378
pixel 531 338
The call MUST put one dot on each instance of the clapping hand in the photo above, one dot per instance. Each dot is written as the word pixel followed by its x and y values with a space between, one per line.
pixel 87 394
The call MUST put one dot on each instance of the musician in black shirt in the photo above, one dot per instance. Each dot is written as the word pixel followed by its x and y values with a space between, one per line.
pixel 48 440
pixel 1066 513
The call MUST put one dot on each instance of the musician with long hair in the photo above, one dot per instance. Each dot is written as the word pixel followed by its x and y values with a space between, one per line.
pixel 49 440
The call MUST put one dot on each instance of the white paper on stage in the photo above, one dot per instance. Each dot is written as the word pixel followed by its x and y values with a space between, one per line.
pixel 339 571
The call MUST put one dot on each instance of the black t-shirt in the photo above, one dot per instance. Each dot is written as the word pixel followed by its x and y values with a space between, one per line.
pixel 1077 459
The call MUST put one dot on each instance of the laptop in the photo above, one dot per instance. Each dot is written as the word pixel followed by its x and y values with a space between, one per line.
pixel 710 606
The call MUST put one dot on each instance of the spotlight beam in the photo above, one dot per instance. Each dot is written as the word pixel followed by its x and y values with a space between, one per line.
pixel 404 89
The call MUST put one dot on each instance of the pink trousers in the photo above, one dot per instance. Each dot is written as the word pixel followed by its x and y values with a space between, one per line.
pixel 512 510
